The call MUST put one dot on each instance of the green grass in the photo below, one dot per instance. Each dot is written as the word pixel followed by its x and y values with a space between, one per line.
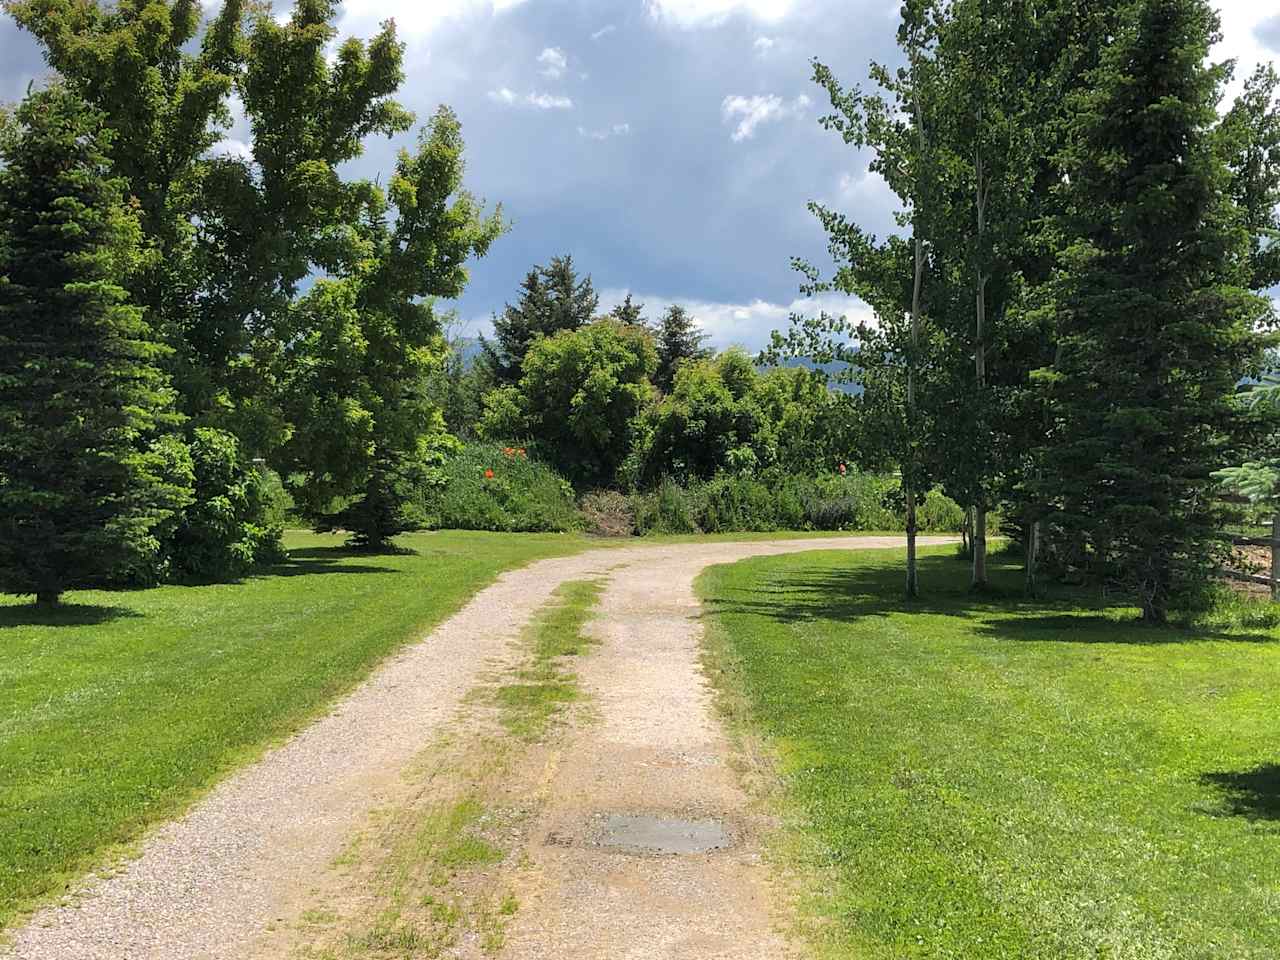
pixel 117 711
pixel 988 777
pixel 531 700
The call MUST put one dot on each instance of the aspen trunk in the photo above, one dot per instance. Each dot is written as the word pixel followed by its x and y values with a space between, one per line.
pixel 1275 557
pixel 979 577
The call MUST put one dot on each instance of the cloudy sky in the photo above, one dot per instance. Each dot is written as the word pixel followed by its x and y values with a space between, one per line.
pixel 669 145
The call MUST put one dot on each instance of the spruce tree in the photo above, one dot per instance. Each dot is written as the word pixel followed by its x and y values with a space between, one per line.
pixel 679 341
pixel 1155 321
pixel 629 312
pixel 81 396
pixel 552 299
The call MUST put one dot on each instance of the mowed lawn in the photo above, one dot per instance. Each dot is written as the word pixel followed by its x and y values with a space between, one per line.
pixel 994 778
pixel 117 711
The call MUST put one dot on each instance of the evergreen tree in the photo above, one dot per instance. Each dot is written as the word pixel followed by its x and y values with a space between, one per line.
pixel 81 397
pixel 630 313
pixel 1155 321
pixel 552 299
pixel 679 341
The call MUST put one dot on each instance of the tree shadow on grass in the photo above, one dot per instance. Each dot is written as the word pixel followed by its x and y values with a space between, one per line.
pixel 63 615
pixel 1253 794
pixel 1001 612
pixel 316 561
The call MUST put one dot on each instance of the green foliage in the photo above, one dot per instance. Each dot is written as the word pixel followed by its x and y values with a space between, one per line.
pixel 233 523
pixel 667 508
pixel 523 494
pixel 82 398
pixel 680 341
pixel 721 415
pixel 356 380
pixel 579 395
pixel 1155 320
pixel 552 300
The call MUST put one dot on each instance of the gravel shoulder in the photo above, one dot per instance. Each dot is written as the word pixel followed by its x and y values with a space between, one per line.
pixel 212 883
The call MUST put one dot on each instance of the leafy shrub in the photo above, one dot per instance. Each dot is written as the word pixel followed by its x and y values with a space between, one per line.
pixel 232 523
pixel 857 501
pixel 608 513
pixel 938 513
pixel 231 526
pixel 490 487
pixel 737 503
pixel 668 508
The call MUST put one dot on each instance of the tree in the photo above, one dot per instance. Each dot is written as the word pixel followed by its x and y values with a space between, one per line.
pixel 81 395
pixel 360 387
pixel 1155 320
pixel 890 359
pixel 579 396
pixel 552 299
pixel 680 340
pixel 629 312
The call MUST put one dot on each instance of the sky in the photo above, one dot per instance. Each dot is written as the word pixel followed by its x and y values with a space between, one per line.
pixel 670 146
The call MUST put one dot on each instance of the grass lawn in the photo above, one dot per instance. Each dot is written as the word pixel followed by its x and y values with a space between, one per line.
pixel 989 777
pixel 117 711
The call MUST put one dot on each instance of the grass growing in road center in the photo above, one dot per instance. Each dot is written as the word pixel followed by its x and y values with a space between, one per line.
pixel 530 701
pixel 990 777
pixel 118 710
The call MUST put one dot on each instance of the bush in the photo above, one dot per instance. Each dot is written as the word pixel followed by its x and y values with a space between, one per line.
pixel 668 508
pixel 858 501
pixel 491 487
pixel 735 504
pixel 608 513
pixel 938 513
pixel 234 524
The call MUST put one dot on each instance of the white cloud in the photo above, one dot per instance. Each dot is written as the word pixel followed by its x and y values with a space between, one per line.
pixel 617 130
pixel 763 45
pixel 751 112
pixel 416 19
pixel 553 62
pixel 546 101
pixel 542 101
pixel 604 31
pixel 230 147
pixel 743 324
pixel 1242 40
pixel 699 13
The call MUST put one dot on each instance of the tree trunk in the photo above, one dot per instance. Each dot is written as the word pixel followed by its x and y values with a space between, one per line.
pixel 48 598
pixel 979 546
pixel 913 579
pixel 1033 548
pixel 1275 557
pixel 979 579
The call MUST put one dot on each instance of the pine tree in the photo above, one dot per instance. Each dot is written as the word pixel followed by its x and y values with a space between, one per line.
pixel 552 299
pixel 629 312
pixel 1156 325
pixel 80 393
pixel 679 341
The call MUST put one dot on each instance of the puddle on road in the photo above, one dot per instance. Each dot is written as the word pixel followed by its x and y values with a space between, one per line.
pixel 645 834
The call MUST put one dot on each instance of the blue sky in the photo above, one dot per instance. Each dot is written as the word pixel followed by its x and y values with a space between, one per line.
pixel 669 145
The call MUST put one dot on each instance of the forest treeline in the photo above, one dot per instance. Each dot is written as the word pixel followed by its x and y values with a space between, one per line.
pixel 196 340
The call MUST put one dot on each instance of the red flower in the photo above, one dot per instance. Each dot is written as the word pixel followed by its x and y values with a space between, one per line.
pixel 521 451
pixel 842 469
pixel 508 451
pixel 488 474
